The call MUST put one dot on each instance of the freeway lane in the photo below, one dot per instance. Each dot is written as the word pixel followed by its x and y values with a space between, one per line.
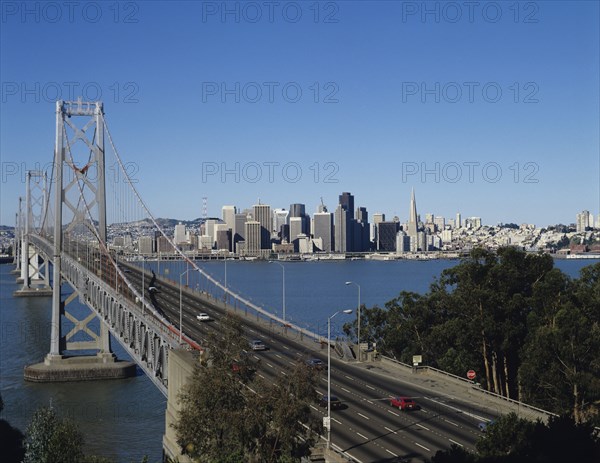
pixel 368 429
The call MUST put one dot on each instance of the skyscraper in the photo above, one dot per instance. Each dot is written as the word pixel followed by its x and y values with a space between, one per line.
pixel 253 231
pixel 296 224
pixel 280 218
pixel 347 203
pixel 458 221
pixel 341 229
pixel 299 210
pixel 387 236
pixel 262 214
pixel 239 231
pixel 412 221
pixel 180 236
pixel 583 221
pixel 228 215
pixel 323 229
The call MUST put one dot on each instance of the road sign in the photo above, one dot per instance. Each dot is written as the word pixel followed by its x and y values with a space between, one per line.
pixel 326 423
pixel 471 374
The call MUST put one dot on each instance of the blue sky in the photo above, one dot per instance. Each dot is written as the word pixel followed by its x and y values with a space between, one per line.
pixel 492 112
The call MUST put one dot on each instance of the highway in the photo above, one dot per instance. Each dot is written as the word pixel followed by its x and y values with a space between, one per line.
pixel 367 428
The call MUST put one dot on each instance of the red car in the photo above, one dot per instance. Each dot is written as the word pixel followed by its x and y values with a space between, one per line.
pixel 403 403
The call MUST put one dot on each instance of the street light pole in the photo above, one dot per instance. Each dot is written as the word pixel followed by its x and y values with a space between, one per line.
pixel 348 311
pixel 358 315
pixel 181 303
pixel 283 284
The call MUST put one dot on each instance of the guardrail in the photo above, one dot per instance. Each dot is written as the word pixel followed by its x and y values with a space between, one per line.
pixel 474 386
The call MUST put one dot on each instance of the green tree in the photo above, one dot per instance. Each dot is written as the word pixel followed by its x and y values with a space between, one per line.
pixel 561 360
pixel 227 415
pixel 51 439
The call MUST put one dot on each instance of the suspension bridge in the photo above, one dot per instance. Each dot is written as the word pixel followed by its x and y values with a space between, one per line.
pixel 64 249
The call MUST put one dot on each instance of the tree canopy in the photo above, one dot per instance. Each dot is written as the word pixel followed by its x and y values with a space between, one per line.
pixel 530 332
pixel 228 414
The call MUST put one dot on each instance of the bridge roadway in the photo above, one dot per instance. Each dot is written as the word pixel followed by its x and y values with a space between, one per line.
pixel 367 428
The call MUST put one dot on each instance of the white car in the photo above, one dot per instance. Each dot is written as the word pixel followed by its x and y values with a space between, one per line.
pixel 257 345
pixel 203 317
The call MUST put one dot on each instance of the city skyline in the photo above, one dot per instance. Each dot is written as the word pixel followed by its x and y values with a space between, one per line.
pixel 505 109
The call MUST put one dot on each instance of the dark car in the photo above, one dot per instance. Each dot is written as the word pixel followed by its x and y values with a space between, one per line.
pixel 335 402
pixel 316 364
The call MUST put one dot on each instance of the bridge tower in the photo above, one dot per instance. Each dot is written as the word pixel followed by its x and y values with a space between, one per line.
pixel 80 201
pixel 17 242
pixel 35 273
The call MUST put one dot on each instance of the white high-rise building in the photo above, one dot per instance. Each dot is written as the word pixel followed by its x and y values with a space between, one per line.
pixel 295 230
pixel 280 218
pixel 439 222
pixel 228 216
pixel 458 221
pixel 180 235
pixel 583 221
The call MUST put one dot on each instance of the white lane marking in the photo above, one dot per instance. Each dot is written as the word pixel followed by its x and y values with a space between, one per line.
pixel 284 373
pixel 365 417
pixel 269 365
pixel 278 356
pixel 285 347
pixel 472 415
pixel 251 330
pixel 314 408
pixel 349 377
pixel 369 401
pixel 391 453
pixel 292 363
pixel 451 422
pixel 393 413
pixel 390 430
pixel 370 387
pixel 338 422
pixel 344 389
pixel 424 427
pixel 422 446
pixel 363 436
pixel 261 376
pixel 454 442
